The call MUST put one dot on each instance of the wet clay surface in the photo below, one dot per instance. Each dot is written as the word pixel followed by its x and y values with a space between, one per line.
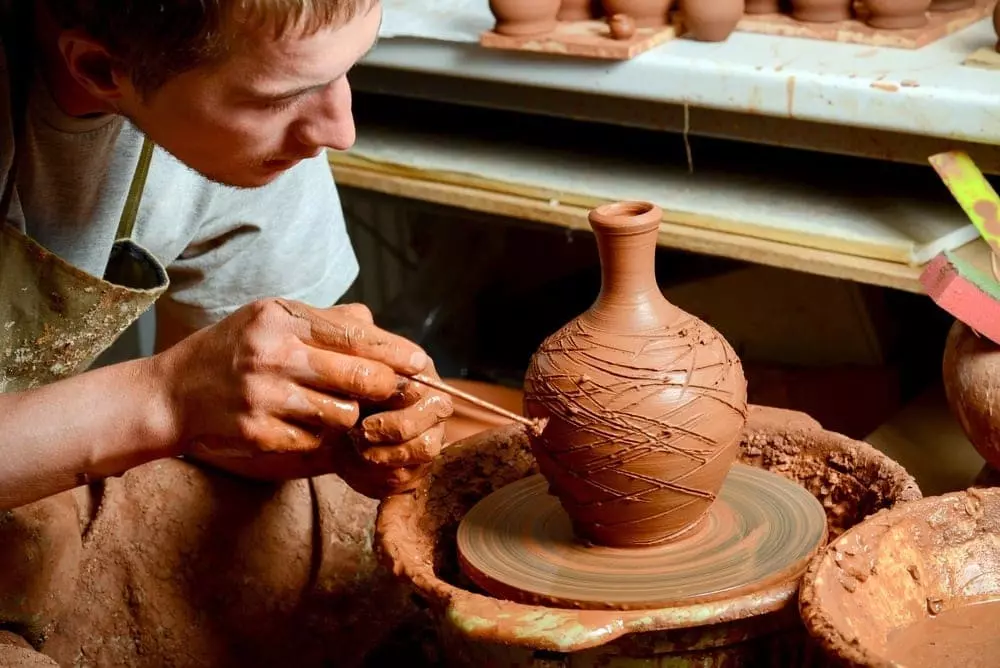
pixel 416 532
pixel 179 565
pixel 518 544
pixel 971 375
pixel 645 402
pixel 906 572
pixel 967 636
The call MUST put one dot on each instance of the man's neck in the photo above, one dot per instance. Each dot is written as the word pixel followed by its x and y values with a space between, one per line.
pixel 72 98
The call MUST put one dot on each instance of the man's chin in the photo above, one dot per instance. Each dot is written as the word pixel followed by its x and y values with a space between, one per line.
pixel 256 177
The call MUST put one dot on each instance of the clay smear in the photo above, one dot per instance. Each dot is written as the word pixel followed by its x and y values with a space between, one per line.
pixel 967 636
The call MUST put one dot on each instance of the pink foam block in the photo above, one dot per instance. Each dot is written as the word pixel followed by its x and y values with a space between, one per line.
pixel 962 297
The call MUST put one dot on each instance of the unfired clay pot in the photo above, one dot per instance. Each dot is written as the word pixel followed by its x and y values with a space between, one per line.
pixel 524 17
pixel 762 7
pixel 971 374
pixel 712 20
pixel 951 5
pixel 575 10
pixel 821 11
pixel 646 13
pixel 645 402
pixel 996 23
pixel 897 14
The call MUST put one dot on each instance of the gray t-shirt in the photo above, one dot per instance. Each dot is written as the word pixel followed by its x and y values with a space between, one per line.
pixel 223 247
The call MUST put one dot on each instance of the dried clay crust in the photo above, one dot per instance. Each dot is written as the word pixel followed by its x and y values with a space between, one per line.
pixel 416 532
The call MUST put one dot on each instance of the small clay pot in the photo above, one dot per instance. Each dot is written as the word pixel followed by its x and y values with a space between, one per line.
pixel 645 13
pixel 762 7
pixel 575 10
pixel 519 18
pixel 712 20
pixel 996 23
pixel 621 27
pixel 821 11
pixel 951 5
pixel 971 373
pixel 897 14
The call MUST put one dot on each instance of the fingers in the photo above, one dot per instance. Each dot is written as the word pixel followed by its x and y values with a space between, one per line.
pixel 406 424
pixel 333 330
pixel 343 374
pixel 420 450
pixel 268 433
pixel 356 311
pixel 305 405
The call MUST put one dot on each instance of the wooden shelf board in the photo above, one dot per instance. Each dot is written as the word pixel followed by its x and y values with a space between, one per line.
pixel 856 31
pixel 673 233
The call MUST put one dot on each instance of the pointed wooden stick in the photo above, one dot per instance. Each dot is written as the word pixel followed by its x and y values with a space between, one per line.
pixel 535 425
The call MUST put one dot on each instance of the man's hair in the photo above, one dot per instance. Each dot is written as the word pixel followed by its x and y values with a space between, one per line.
pixel 155 40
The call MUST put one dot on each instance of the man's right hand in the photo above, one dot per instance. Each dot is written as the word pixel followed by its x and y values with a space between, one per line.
pixel 277 374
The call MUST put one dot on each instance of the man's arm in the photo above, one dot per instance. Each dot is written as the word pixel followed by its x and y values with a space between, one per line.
pixel 94 425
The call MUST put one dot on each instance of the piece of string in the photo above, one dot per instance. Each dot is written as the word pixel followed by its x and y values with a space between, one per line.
pixel 687 141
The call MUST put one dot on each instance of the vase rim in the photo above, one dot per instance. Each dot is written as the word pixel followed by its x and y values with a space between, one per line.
pixel 626 217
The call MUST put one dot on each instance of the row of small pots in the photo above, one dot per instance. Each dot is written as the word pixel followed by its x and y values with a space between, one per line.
pixel 710 20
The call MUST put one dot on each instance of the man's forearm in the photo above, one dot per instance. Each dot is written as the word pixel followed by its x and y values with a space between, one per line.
pixel 94 425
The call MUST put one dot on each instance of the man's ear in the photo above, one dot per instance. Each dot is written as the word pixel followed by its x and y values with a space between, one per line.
pixel 92 67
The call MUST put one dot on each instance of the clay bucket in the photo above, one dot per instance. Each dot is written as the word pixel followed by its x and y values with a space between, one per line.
pixel 415 535
pixel 897 568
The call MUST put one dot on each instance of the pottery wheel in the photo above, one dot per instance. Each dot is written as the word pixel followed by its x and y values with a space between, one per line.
pixel 518 544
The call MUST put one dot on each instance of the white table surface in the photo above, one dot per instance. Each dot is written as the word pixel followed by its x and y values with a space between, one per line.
pixel 925 91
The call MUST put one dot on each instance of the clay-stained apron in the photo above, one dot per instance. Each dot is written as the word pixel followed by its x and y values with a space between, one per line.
pixel 54 321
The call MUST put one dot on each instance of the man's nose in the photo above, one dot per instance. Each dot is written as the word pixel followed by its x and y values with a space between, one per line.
pixel 330 122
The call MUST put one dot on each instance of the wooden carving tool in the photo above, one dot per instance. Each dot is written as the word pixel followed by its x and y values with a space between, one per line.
pixel 535 425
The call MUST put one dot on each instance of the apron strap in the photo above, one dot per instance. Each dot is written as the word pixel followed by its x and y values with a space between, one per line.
pixel 126 224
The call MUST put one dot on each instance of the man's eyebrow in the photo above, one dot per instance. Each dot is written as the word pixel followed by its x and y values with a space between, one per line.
pixel 284 95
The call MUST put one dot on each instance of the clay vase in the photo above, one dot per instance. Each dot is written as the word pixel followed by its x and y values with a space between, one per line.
pixel 645 402
pixel 645 13
pixel 712 20
pixel 971 375
pixel 897 14
pixel 520 18
pixel 575 10
pixel 821 11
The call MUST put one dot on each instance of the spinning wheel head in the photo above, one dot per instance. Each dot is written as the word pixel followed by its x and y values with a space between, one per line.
pixel 519 544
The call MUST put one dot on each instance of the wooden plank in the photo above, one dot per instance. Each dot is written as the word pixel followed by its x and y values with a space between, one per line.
pixel 673 234
pixel 855 31
pixel 587 39
pixel 810 208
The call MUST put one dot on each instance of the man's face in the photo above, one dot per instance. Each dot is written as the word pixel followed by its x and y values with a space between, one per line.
pixel 270 105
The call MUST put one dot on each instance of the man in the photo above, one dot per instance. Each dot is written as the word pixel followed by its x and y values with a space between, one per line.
pixel 190 134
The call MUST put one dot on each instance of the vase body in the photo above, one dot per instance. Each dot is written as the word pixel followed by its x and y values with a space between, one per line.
pixel 897 14
pixel 575 10
pixel 712 20
pixel 645 13
pixel 821 11
pixel 645 402
pixel 971 376
pixel 519 18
